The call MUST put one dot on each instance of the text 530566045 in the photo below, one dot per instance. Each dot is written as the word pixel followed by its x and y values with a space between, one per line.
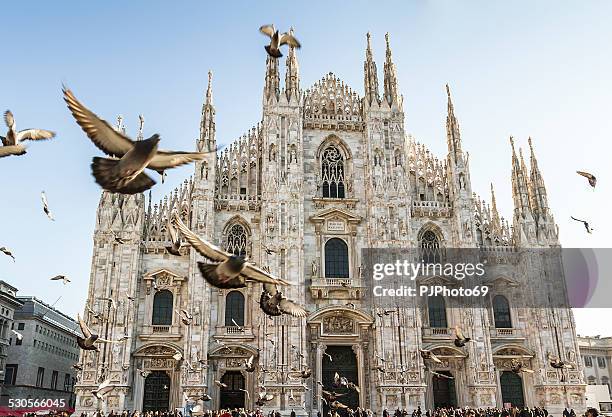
pixel 36 403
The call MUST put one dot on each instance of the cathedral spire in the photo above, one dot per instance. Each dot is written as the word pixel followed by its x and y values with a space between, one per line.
pixel 272 86
pixel 292 75
pixel 453 135
pixel 495 219
pixel 207 141
pixel 370 75
pixel 520 192
pixel 536 184
pixel 390 78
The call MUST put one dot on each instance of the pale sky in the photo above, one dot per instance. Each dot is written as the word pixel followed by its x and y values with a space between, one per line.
pixel 539 69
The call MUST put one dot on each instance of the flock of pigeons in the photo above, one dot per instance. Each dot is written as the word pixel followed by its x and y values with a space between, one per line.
pixel 592 182
pixel 516 366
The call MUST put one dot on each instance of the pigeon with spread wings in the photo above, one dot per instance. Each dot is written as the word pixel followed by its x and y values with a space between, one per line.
pixel 89 339
pixel 124 172
pixel 277 40
pixel 460 339
pixel 11 144
pixel 227 271
pixel 592 179
pixel 7 252
pixel 586 224
pixel 273 303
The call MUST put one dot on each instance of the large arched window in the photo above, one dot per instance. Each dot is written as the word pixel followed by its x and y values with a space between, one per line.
pixel 336 259
pixel 430 247
pixel 437 312
pixel 162 308
pixel 234 309
pixel 237 240
pixel 332 173
pixel 501 312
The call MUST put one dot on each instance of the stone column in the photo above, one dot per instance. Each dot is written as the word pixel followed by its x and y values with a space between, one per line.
pixel 360 373
pixel 319 366
pixel 138 392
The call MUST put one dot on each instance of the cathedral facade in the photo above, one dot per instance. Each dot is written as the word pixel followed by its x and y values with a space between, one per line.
pixel 326 173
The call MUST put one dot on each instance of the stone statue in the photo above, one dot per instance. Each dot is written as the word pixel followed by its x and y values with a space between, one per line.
pixel 314 267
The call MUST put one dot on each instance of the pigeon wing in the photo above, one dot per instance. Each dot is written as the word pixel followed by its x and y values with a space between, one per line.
pixel 289 307
pixel 204 248
pixel 169 159
pixel 270 289
pixel 98 130
pixel 12 150
pixel 9 119
pixel 287 38
pixel 254 273
pixel 86 331
pixel 34 134
pixel 459 332
pixel 267 30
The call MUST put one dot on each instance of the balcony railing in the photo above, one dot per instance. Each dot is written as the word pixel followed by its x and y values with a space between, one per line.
pixel 437 332
pixel 431 208
pixel 234 330
pixel 161 329
pixel 503 332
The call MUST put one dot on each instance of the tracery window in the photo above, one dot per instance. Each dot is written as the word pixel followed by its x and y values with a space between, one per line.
pixel 237 240
pixel 332 173
pixel 430 247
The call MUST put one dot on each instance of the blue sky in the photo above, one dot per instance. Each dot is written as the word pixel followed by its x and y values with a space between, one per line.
pixel 521 68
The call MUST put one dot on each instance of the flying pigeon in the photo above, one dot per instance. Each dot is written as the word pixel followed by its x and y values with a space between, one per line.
pixel 588 176
pixel 77 366
pixel 228 271
pixel 328 355
pixel 11 144
pixel 249 364
pixel 277 40
pixel 43 197
pixel 7 252
pixel 240 328
pixel 273 303
pixel 460 339
pixel 175 248
pixel 112 302
pixel 103 389
pixel 143 373
pixel 220 384
pixel 123 173
pixel 517 367
pixel 18 335
pixel 429 355
pixel 60 278
pixel 558 363
pixel 185 316
pixel 246 392
pixel 588 228
pixel 268 250
pixel 89 339
pixel 306 373
pixel 177 356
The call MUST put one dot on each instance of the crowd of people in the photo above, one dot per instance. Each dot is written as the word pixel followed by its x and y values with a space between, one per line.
pixel 438 412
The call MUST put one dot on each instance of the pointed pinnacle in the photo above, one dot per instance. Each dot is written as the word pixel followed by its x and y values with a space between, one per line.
pixel 209 88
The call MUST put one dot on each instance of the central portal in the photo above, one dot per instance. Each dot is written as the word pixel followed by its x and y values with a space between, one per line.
pixel 231 397
pixel 443 386
pixel 344 361
pixel 156 392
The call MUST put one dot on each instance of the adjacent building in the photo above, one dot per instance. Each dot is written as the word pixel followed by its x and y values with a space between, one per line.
pixel 40 364
pixel 8 304
pixel 326 172
pixel 596 355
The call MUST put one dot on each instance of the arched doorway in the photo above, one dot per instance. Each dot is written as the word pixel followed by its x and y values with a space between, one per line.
pixel 156 392
pixel 444 394
pixel 344 361
pixel 512 389
pixel 231 397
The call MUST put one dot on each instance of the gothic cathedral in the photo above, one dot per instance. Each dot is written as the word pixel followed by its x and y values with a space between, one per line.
pixel 324 174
